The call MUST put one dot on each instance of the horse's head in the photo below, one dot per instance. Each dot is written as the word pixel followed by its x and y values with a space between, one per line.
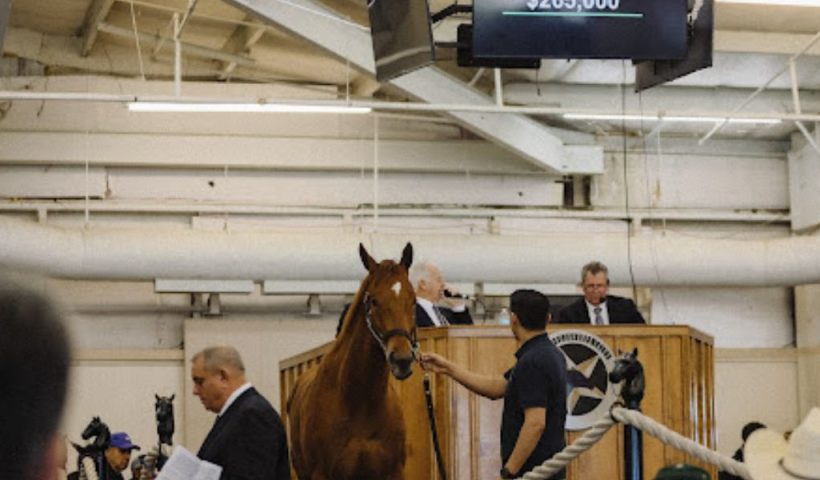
pixel 164 410
pixel 390 309
pixel 98 429
pixel 93 428
pixel 628 369
pixel 164 406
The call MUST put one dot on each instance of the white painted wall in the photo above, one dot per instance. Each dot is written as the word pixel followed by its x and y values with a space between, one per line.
pixel 804 170
pixel 694 180
pixel 736 317
pixel 754 385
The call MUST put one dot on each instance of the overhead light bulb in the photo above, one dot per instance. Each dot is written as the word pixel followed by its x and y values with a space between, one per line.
pixel 191 107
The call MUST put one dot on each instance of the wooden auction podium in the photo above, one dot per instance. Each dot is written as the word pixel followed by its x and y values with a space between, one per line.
pixel 679 368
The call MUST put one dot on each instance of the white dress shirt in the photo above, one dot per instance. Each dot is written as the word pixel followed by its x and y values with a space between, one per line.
pixel 430 309
pixel 236 393
pixel 604 312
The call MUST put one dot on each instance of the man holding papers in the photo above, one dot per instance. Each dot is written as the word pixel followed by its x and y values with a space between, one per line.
pixel 248 438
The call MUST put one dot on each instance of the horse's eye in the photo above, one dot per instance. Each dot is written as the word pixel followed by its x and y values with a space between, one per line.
pixel 374 303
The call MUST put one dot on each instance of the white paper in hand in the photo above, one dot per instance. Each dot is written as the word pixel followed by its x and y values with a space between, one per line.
pixel 184 465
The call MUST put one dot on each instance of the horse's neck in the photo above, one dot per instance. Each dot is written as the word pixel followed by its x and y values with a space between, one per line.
pixel 357 361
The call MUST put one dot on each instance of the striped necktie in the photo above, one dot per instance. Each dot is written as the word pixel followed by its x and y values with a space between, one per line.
pixel 442 320
pixel 599 319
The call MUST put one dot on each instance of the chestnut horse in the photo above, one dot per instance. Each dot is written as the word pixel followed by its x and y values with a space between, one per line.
pixel 345 418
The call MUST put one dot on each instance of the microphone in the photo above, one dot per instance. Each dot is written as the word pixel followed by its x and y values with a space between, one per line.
pixel 447 293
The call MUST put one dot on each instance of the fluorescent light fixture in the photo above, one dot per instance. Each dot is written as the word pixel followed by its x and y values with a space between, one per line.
pixel 671 118
pixel 190 107
pixel 784 3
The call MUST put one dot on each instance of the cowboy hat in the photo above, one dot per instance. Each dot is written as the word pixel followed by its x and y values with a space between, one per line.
pixel 769 456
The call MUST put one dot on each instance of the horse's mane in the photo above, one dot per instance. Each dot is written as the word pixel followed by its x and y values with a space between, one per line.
pixel 355 304
pixel 346 321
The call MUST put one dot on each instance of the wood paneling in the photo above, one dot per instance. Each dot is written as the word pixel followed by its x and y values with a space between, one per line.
pixel 679 368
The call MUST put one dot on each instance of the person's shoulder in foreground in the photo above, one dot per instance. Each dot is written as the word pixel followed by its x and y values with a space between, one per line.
pixel 34 360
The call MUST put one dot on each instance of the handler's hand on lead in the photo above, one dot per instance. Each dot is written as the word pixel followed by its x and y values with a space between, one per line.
pixel 433 362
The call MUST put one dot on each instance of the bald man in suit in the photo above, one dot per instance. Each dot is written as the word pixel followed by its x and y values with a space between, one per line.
pixel 248 438
pixel 429 285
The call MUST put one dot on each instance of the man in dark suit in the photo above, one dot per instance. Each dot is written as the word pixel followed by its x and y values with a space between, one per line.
pixel 598 308
pixel 248 438
pixel 429 285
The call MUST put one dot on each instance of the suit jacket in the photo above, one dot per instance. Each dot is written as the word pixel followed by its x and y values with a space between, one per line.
pixel 248 441
pixel 455 318
pixel 621 310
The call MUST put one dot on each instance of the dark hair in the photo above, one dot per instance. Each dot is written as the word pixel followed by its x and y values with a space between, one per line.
pixel 531 307
pixel 34 358
pixel 749 429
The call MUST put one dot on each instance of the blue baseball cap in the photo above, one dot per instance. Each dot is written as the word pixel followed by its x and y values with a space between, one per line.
pixel 122 441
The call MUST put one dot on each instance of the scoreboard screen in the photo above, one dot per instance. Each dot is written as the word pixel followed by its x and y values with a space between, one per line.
pixel 628 29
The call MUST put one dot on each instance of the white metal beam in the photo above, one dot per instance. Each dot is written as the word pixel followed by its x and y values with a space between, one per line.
pixel 812 41
pixel 188 48
pixel 739 41
pixel 96 14
pixel 118 60
pixel 217 151
pixel 326 28
pixel 243 38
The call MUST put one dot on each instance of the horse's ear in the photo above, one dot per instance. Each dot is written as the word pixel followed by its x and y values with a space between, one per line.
pixel 407 256
pixel 156 396
pixel 635 352
pixel 367 260
pixel 172 397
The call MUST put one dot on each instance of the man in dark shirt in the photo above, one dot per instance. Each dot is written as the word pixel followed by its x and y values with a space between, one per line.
pixel 534 390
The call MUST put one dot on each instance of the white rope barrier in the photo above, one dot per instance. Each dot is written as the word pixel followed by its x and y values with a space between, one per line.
pixel 579 446
pixel 664 434
pixel 644 423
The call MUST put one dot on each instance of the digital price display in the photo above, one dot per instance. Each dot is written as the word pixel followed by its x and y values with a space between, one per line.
pixel 633 29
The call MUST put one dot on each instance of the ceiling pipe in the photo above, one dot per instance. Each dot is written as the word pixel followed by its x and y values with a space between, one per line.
pixel 657 259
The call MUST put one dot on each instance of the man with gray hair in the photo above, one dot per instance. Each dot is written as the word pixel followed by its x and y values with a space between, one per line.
pixel 248 438
pixel 598 308
pixel 431 290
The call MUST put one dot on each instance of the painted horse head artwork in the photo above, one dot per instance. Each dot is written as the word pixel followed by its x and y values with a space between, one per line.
pixel 345 418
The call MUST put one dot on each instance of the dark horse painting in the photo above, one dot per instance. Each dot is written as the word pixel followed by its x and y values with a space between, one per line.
pixel 345 418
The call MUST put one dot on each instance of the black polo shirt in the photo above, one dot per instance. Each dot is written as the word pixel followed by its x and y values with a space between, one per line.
pixel 538 379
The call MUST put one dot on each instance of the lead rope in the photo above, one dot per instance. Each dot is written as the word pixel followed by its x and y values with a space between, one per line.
pixel 431 416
